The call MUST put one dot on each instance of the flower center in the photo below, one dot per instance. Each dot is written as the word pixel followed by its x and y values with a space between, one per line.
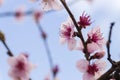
pixel 20 65
pixel 92 69
pixel 67 33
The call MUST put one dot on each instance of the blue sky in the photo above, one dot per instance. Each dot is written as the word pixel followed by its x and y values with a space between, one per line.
pixel 24 36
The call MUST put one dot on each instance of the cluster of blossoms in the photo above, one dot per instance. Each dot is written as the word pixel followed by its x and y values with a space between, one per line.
pixel 94 45
pixel 92 66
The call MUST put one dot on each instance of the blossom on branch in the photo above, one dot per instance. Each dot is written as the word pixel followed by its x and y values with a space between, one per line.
pixel 20 67
pixel 92 47
pixel 84 20
pixel 80 46
pixel 66 34
pixel 91 71
pixel 50 5
pixel 95 36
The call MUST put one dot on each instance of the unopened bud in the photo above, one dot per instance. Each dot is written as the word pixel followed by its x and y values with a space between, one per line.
pixel 55 70
pixel 37 15
pixel 19 13
pixel 2 36
pixel 44 36
pixel 99 55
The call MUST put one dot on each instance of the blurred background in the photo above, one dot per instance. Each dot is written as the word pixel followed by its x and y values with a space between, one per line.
pixel 24 36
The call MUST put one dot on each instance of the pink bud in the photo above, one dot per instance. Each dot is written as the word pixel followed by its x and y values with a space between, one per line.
pixel 19 13
pixel 99 55
pixel 37 15
pixel 84 20
pixel 44 35
pixel 55 70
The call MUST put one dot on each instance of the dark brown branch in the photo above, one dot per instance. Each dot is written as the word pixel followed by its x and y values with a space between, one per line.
pixel 106 75
pixel 77 27
pixel 8 49
pixel 108 43
pixel 2 38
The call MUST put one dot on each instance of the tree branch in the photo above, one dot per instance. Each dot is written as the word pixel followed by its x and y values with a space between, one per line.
pixel 108 43
pixel 77 27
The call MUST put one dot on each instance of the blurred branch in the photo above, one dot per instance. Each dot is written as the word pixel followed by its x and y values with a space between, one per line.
pixel 2 38
pixel 8 14
pixel 44 36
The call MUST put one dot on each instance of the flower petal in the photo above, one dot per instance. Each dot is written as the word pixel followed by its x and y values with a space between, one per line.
pixel 87 76
pixel 71 43
pixel 92 47
pixel 82 65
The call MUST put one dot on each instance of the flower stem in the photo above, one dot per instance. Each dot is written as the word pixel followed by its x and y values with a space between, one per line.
pixel 77 27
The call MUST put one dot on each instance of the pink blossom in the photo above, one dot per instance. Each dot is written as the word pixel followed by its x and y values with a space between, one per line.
pixel 84 20
pixel 66 34
pixel 80 46
pixel 95 36
pixel 91 71
pixel 50 5
pixel 92 47
pixel 20 67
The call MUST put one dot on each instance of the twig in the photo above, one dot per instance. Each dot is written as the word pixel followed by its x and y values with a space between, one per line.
pixel 108 43
pixel 8 14
pixel 9 51
pixel 77 27
pixel 47 48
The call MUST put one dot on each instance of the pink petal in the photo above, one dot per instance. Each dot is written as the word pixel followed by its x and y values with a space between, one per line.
pixel 92 47
pixel 56 5
pixel 12 61
pixel 101 64
pixel 71 44
pixel 82 65
pixel 63 40
pixel 46 6
pixel 80 46
pixel 87 76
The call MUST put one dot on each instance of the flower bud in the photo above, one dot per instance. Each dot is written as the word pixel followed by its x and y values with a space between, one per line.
pixel 2 37
pixel 55 70
pixel 99 55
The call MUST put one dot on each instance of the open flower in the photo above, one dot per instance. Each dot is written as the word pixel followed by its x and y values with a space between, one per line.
pixel 66 34
pixel 50 5
pixel 92 47
pixel 80 46
pixel 95 36
pixel 20 67
pixel 91 71
pixel 84 20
